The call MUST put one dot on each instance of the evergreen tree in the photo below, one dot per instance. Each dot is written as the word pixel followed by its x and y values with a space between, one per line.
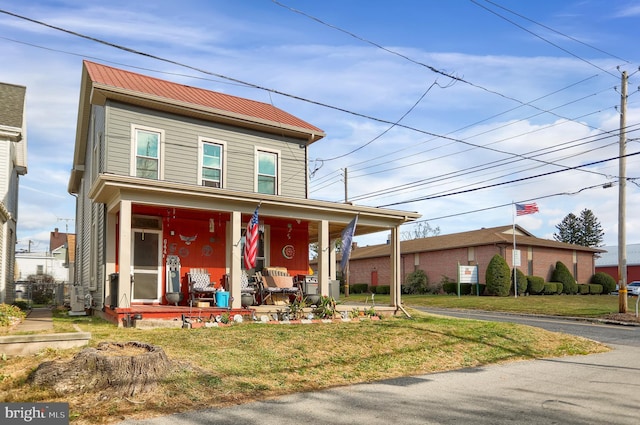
pixel 498 277
pixel 591 230
pixel 584 230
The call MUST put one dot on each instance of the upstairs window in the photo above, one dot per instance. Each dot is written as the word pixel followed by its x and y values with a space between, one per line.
pixel 211 164
pixel 147 148
pixel 267 173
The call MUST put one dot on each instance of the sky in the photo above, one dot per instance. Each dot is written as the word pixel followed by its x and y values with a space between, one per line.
pixel 454 109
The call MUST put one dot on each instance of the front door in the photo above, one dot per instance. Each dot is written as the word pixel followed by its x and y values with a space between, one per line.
pixel 146 266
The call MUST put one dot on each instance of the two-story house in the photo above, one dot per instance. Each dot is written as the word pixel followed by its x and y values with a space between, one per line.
pixel 13 164
pixel 162 169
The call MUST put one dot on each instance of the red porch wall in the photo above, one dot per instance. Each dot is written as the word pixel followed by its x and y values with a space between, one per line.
pixel 285 235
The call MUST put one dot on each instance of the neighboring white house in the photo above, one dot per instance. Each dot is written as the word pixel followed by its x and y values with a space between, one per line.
pixel 40 264
pixel 13 164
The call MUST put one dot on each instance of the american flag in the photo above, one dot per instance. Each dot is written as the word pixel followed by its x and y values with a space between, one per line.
pixel 251 242
pixel 524 209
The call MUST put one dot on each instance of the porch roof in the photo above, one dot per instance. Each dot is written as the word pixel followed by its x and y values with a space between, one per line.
pixel 111 189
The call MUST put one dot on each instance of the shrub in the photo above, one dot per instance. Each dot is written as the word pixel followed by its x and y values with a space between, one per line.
pixel 417 282
pixel 522 281
pixel 562 274
pixel 9 314
pixel 465 288
pixel 381 289
pixel 450 287
pixel 559 287
pixel 535 284
pixel 608 283
pixel 358 288
pixel 583 289
pixel 498 277
pixel 22 305
pixel 550 288
pixel 479 288
pixel 595 289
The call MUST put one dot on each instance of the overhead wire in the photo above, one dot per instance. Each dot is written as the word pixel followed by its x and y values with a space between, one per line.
pixel 424 198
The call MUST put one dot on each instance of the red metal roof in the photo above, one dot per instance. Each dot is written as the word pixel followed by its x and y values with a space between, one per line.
pixel 143 84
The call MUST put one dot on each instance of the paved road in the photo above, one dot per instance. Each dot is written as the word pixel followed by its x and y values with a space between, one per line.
pixel 595 389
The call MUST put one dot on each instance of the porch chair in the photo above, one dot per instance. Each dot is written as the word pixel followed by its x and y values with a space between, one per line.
pixel 276 285
pixel 200 286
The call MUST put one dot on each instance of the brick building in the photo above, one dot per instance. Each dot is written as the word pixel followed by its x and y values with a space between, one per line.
pixel 439 256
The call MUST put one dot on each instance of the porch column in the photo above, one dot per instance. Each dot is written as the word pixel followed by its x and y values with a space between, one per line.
pixel 110 253
pixel 332 260
pixel 396 278
pixel 124 255
pixel 323 257
pixel 235 269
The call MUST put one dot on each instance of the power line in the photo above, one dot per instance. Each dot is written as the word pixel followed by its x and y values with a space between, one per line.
pixel 425 198
pixel 543 39
pixel 556 31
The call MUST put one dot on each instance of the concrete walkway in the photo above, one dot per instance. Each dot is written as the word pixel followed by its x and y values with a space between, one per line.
pixel 37 320
pixel 35 334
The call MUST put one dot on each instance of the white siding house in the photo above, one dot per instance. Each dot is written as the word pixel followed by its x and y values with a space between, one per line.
pixel 13 164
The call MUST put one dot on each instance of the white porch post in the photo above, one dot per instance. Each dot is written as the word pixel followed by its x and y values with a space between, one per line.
pixel 110 254
pixel 323 257
pixel 236 259
pixel 124 260
pixel 396 278
pixel 332 260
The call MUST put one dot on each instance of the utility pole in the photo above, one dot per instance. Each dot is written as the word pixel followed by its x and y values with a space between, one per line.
pixel 346 192
pixel 622 238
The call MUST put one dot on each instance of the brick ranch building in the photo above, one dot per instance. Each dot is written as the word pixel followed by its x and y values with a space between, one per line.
pixel 439 256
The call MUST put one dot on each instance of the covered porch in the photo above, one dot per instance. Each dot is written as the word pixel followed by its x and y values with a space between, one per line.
pixel 147 221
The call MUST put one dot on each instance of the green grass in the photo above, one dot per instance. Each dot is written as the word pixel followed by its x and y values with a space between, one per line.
pixel 555 305
pixel 246 362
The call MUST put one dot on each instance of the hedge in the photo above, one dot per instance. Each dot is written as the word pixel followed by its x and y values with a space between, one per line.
pixel 535 284
pixel 550 288
pixel 358 288
pixel 380 289
pixel 608 283
pixel 583 288
pixel 595 289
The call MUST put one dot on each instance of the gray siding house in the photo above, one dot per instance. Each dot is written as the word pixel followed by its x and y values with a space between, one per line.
pixel 13 164
pixel 162 169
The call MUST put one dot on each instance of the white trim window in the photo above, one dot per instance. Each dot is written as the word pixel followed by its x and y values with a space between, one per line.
pixel 211 163
pixel 268 172
pixel 146 152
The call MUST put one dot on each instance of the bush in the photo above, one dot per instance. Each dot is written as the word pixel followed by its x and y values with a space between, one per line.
pixel 479 287
pixel 22 305
pixel 522 281
pixel 358 288
pixel 608 283
pixel 450 287
pixel 498 277
pixel 10 314
pixel 417 282
pixel 595 289
pixel 550 288
pixel 583 289
pixel 465 288
pixel 562 274
pixel 535 285
pixel 381 289
pixel 559 287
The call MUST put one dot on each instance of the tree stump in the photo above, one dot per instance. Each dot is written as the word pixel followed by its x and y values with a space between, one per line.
pixel 125 368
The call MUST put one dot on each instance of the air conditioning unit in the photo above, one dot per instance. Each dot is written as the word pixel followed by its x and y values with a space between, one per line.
pixel 77 301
